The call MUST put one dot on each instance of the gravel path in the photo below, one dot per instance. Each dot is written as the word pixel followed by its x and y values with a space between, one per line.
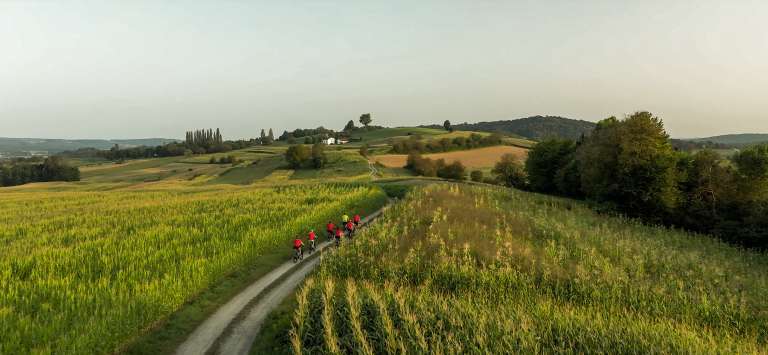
pixel 240 339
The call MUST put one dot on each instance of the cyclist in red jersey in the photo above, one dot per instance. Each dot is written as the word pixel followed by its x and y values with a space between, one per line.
pixel 329 229
pixel 297 244
pixel 356 219
pixel 311 239
pixel 350 229
pixel 339 234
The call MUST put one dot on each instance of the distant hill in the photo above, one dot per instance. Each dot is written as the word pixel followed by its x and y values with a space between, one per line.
pixel 21 145
pixel 735 139
pixel 536 127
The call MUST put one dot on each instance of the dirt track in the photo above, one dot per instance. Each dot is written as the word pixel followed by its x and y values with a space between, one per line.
pixel 240 339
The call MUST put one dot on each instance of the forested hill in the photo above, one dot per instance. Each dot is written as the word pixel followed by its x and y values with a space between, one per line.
pixel 536 127
pixel 60 145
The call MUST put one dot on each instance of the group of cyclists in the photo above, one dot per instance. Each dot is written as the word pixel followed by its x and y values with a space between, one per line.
pixel 345 228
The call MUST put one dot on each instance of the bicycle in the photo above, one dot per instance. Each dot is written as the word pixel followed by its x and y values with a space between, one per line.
pixel 298 255
pixel 312 247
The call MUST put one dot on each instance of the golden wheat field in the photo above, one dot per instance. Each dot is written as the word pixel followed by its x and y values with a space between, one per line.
pixel 473 158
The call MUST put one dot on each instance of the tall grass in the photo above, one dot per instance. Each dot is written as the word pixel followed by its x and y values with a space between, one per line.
pixel 84 272
pixel 462 269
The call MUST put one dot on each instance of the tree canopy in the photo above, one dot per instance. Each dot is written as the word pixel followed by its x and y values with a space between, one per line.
pixel 630 166
pixel 365 119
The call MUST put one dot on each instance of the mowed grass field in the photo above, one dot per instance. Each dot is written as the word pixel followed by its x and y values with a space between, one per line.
pixel 85 272
pixel 457 269
pixel 473 158
pixel 381 135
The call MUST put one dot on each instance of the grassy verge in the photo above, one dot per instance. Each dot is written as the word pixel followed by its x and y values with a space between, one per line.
pixel 273 337
pixel 169 334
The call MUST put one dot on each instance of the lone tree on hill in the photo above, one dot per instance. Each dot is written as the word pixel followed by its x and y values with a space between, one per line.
pixel 350 125
pixel 365 119
pixel 447 126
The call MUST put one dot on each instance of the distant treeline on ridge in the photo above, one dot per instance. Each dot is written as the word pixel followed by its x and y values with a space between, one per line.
pixel 23 171
pixel 535 127
pixel 201 141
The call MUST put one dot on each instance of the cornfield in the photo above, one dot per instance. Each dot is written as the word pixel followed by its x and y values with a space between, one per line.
pixel 459 269
pixel 85 272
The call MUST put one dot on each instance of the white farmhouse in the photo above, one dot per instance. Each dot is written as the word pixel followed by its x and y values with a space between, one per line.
pixel 335 141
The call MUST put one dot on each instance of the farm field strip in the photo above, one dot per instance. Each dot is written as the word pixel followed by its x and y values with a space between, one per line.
pixel 473 158
pixel 86 271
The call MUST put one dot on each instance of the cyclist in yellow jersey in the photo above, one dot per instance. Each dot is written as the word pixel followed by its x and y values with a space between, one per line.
pixel 345 218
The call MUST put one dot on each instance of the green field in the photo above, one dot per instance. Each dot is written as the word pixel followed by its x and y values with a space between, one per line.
pixel 256 165
pixel 250 172
pixel 341 164
pixel 86 272
pixel 459 269
pixel 381 135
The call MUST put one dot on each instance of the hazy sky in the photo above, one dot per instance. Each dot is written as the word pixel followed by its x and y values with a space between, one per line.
pixel 131 69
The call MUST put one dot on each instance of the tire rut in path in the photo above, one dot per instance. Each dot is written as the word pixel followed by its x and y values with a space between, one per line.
pixel 240 339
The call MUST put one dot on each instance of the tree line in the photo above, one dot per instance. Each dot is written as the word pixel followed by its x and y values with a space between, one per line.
pixel 20 172
pixel 435 168
pixel 317 135
pixel 535 127
pixel 201 141
pixel 630 166
pixel 416 144
pixel 204 141
pixel 687 145
pixel 310 135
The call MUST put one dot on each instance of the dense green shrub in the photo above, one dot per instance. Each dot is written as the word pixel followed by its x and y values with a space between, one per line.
pixel 476 175
pixel 544 162
pixel 439 168
pixel 510 172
